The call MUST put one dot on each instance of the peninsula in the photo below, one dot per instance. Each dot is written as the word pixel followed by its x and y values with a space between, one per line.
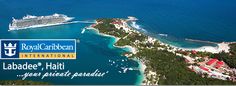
pixel 168 65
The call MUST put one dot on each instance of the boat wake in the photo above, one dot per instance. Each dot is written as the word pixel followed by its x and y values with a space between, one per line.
pixel 163 35
pixel 200 41
pixel 87 21
pixel 82 32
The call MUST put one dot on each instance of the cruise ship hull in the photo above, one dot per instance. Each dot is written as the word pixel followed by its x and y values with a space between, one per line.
pixel 37 26
pixel 41 21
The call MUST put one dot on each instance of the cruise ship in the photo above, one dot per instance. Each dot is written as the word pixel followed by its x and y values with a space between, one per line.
pixel 30 21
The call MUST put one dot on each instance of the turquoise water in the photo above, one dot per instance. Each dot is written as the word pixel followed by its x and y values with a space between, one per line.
pixel 194 19
pixel 93 52
pixel 210 20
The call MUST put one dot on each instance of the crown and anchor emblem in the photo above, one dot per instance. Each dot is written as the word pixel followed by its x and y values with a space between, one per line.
pixel 10 50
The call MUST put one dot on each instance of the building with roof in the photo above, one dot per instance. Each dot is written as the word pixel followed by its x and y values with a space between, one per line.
pixel 204 68
pixel 219 64
pixel 212 61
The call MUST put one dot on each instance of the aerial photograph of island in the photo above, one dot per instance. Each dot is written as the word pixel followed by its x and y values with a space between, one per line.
pixel 117 42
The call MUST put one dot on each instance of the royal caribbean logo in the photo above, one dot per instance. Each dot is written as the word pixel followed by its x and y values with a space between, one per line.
pixel 38 49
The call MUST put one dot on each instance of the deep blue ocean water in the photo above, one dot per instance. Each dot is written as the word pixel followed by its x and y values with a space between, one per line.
pixel 210 20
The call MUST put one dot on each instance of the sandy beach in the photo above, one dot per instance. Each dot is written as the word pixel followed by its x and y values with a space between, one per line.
pixel 224 46
pixel 219 48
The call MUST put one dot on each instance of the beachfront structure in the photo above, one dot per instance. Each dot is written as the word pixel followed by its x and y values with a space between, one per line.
pixel 204 68
pixel 216 63
pixel 211 61
pixel 212 74
pixel 219 64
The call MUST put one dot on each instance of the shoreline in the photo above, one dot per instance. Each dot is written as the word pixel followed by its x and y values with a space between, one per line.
pixel 141 64
pixel 142 68
pixel 131 49
pixel 224 46
pixel 221 46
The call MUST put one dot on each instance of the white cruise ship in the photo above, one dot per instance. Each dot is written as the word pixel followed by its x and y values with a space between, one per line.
pixel 30 21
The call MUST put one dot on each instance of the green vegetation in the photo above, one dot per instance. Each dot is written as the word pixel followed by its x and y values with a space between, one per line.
pixel 130 39
pixel 22 82
pixel 171 68
pixel 233 49
pixel 197 54
pixel 228 58
pixel 203 54
pixel 106 27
